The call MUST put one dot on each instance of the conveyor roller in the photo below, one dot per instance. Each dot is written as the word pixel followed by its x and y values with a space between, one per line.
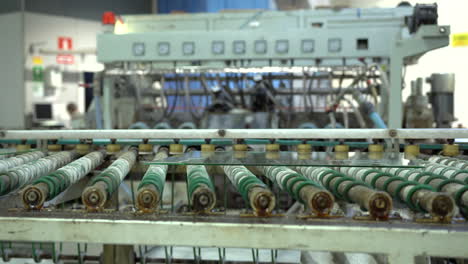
pixel 48 187
pixel 107 182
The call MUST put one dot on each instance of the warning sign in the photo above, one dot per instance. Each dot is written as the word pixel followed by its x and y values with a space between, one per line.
pixel 65 44
pixel 65 59
pixel 37 60
pixel 460 39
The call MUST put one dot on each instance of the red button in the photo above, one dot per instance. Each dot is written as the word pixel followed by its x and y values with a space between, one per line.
pixel 108 18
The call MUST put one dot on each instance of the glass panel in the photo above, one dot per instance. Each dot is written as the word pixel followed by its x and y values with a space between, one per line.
pixel 289 158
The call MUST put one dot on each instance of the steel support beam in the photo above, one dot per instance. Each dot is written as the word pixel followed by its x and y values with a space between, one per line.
pixel 385 238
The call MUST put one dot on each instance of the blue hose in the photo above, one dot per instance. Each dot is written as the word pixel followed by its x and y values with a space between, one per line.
pixel 378 122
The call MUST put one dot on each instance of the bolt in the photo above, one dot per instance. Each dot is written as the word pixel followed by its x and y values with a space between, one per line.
pixel 147 198
pixel 93 197
pixel 203 200
pixel 392 133
pixel 380 203
pixel 442 205
pixel 263 201
pixel 222 132
pixel 321 202
pixel 32 196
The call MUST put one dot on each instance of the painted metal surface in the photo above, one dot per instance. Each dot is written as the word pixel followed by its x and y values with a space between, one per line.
pixel 301 36
pixel 168 6
pixel 401 242
pixel 422 133
pixel 304 38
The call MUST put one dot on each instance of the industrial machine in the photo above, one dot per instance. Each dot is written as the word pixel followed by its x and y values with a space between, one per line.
pixel 215 190
pixel 265 69
pixel 259 170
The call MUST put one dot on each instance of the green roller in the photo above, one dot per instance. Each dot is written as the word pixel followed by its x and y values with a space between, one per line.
pixel 418 197
pixel 443 179
pixel 20 160
pixel 450 161
pixel 447 171
pixel 49 186
pixel 17 177
pixel 108 181
pixel 200 189
pixel 378 204
pixel 151 187
pixel 252 189
pixel 316 199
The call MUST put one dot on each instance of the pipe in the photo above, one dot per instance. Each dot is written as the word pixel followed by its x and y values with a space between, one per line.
pixel 427 133
pixel 98 111
pixel 377 120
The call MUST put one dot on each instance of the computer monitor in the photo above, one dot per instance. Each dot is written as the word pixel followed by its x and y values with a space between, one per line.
pixel 42 112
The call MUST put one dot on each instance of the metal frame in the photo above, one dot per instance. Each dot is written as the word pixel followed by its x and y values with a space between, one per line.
pixel 402 242
pixel 384 29
pixel 423 133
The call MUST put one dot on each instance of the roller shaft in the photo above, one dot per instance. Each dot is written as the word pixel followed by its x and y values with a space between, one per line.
pixel 18 177
pixel 200 189
pixel 308 192
pixel 151 187
pixel 107 182
pixel 49 186
pixel 418 197
pixel 254 191
pixel 378 204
